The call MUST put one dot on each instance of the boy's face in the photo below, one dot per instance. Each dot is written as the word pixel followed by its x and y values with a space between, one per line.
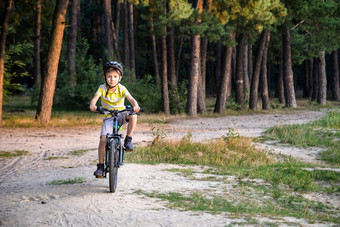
pixel 113 78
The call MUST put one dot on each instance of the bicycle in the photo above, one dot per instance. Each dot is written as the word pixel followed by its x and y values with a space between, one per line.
pixel 114 150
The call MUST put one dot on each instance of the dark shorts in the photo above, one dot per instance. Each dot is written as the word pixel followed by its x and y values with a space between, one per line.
pixel 108 123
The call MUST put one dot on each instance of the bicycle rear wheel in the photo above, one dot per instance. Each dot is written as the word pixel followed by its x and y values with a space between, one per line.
pixel 113 166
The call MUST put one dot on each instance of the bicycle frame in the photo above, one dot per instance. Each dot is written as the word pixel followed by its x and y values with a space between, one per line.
pixel 118 138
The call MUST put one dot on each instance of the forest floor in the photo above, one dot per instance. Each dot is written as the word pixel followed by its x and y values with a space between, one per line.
pixel 27 197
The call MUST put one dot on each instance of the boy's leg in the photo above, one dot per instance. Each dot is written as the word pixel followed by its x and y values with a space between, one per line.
pixel 132 122
pixel 101 149
pixel 101 154
pixel 132 119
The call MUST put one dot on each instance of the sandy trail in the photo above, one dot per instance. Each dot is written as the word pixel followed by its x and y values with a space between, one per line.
pixel 27 198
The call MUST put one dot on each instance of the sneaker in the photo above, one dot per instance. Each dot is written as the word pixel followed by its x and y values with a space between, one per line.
pixel 128 143
pixel 100 170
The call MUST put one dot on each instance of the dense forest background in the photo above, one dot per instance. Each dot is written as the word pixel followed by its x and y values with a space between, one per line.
pixel 175 52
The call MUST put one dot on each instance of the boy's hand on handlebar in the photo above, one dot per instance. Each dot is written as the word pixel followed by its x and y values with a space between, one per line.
pixel 136 109
pixel 93 108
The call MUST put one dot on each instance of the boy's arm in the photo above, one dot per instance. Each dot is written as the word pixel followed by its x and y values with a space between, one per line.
pixel 134 103
pixel 93 102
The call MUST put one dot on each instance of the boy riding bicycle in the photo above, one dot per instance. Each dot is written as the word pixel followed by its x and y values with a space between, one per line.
pixel 112 95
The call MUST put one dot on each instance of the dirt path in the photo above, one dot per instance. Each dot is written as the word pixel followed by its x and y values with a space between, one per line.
pixel 27 198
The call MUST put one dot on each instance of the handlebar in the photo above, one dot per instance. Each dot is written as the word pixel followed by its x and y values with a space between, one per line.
pixel 102 110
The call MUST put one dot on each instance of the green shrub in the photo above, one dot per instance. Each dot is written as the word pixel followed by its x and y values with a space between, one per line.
pixel 145 92
pixel 232 104
pixel 178 98
pixel 17 60
pixel 89 77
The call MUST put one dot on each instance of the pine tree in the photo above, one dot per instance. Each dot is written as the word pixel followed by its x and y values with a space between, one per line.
pixel 50 74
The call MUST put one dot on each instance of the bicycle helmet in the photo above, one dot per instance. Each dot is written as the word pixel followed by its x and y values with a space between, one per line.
pixel 114 65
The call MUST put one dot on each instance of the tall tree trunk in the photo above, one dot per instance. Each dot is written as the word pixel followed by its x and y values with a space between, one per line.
pixel 281 88
pixel 193 76
pixel 114 40
pixel 201 93
pixel 310 76
pixel 204 47
pixel 288 77
pixel 218 61
pixel 335 76
pixel 154 53
pixel 126 41
pixel 306 78
pixel 165 91
pixel 265 91
pixel 79 20
pixel 72 41
pixel 174 97
pixel 50 73
pixel 180 45
pixel 201 103
pixel 222 94
pixel 95 27
pixel 256 73
pixel 316 71
pixel 132 41
pixel 246 72
pixel 116 26
pixel 37 63
pixel 3 36
pixel 172 66
pixel 242 42
pixel 117 17
pixel 322 97
pixel 234 66
pixel 108 28
pixel 195 68
pixel 250 64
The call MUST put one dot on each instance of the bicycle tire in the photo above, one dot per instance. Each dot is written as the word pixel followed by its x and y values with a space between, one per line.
pixel 113 166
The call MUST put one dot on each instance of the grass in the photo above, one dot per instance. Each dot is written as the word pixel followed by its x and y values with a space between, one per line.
pixel 186 172
pixel 234 156
pixel 324 133
pixel 26 119
pixel 222 153
pixel 12 154
pixel 77 180
pixel 285 180
pixel 79 152
pixel 279 195
pixel 292 206
pixel 292 175
pixel 18 112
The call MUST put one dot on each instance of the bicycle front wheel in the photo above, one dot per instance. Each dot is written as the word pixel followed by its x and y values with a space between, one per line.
pixel 113 163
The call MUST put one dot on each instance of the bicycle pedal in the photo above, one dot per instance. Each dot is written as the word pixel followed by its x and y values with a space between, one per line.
pixel 99 176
